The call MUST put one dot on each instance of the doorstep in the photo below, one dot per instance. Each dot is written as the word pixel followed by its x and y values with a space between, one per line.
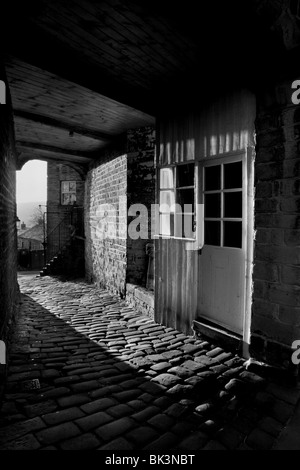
pixel 222 337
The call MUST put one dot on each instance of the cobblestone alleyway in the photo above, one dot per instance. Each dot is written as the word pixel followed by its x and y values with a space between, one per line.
pixel 88 372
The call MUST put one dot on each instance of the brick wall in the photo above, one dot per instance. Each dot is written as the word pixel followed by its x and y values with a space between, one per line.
pixel 8 233
pixel 276 278
pixel 120 178
pixel 106 222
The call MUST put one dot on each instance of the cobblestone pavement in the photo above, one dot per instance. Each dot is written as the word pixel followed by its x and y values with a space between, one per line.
pixel 88 372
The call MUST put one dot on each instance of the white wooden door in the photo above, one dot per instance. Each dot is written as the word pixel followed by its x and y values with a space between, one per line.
pixel 221 294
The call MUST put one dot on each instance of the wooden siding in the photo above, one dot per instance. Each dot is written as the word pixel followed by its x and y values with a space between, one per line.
pixel 226 126
pixel 176 283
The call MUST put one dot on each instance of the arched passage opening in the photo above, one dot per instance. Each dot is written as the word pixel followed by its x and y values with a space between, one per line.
pixel 50 219
pixel 65 219
pixel 31 199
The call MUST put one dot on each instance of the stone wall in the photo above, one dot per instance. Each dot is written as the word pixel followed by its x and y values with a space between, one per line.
pixel 8 233
pixel 141 299
pixel 140 190
pixel 276 278
pixel 105 227
pixel 120 178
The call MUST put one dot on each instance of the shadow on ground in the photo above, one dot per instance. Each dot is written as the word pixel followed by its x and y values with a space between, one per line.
pixel 88 372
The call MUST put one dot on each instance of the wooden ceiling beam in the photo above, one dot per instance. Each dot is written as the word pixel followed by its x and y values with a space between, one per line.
pixel 54 150
pixel 49 121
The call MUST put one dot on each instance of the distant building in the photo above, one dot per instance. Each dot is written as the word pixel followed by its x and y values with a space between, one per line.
pixel 31 239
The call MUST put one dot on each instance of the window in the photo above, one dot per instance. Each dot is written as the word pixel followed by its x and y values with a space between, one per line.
pixel 177 201
pixel 68 193
pixel 223 205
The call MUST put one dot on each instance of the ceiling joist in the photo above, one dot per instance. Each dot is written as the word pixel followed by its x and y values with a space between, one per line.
pixel 55 151
pixel 71 128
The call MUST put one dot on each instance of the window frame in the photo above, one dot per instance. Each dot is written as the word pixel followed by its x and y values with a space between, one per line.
pixel 221 161
pixel 175 188
pixel 68 192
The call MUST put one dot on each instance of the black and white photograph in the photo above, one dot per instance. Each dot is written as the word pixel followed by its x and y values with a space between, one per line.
pixel 150 228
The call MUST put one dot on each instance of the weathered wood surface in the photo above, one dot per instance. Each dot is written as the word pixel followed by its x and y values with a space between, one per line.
pixel 48 108
pixel 176 282
pixel 224 127
pixel 62 125
pixel 37 133
pixel 36 90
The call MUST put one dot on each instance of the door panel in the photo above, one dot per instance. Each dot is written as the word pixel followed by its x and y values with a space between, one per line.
pixel 222 287
pixel 222 262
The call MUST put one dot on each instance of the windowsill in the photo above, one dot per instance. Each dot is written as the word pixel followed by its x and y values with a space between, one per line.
pixel 169 237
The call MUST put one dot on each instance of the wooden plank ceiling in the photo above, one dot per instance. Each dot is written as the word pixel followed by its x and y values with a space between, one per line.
pixel 82 72
pixel 58 119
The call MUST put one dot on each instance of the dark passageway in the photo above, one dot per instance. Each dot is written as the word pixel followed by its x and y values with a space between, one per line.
pixel 88 372
pixel 192 109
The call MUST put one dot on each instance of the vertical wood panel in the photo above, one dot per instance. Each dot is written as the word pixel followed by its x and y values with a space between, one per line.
pixel 222 127
pixel 175 284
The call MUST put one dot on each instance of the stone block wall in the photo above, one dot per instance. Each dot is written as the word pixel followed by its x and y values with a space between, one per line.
pixel 120 178
pixel 106 222
pixel 276 277
pixel 141 299
pixel 140 190
pixel 8 232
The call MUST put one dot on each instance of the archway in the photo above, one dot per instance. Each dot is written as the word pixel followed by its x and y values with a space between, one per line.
pixel 31 198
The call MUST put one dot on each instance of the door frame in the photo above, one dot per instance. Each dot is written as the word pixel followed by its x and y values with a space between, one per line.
pixel 248 156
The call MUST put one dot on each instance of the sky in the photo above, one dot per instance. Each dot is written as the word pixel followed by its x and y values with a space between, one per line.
pixel 32 182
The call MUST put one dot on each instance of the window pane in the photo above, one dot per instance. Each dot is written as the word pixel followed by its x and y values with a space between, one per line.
pixel 184 225
pixel 65 186
pixel 166 178
pixel 72 198
pixel 212 233
pixel 233 175
pixel 72 186
pixel 65 199
pixel 185 197
pixel 166 198
pixel 167 224
pixel 185 175
pixel 233 234
pixel 212 178
pixel 188 226
pixel 212 205
pixel 233 204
